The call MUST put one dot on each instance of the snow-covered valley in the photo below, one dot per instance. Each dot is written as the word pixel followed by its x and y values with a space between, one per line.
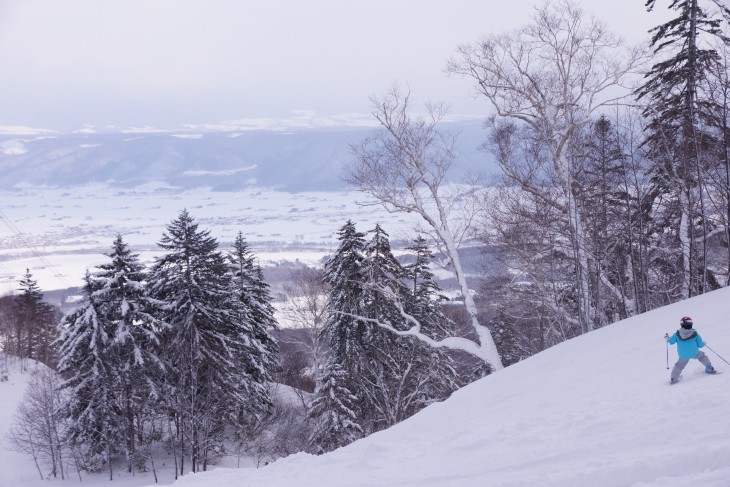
pixel 59 232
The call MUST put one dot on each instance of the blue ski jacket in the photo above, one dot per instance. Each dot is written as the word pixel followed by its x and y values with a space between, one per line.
pixel 688 343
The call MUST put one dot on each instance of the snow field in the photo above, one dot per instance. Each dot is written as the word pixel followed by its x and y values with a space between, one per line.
pixel 73 227
pixel 15 468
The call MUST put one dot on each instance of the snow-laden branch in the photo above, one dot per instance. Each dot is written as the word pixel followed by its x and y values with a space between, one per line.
pixel 476 349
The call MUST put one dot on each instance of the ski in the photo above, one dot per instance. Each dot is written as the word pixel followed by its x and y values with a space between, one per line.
pixel 716 372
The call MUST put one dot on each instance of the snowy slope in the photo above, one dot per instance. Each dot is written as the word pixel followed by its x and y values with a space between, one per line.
pixel 595 411
pixel 15 468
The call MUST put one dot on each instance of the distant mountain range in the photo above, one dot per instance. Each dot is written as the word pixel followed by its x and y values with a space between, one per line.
pixel 296 160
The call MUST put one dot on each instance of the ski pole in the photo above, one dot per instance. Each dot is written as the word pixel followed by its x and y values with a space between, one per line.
pixel 666 335
pixel 711 350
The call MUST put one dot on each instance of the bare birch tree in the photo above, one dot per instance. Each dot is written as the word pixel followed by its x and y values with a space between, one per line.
pixel 37 428
pixel 553 76
pixel 404 166
pixel 306 310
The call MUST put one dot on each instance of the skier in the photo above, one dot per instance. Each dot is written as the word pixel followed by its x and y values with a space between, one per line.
pixel 688 343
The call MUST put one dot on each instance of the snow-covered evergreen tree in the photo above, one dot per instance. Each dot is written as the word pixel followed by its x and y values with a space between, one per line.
pixel 608 205
pixel 344 332
pixel 108 348
pixel 679 115
pixel 34 326
pixel 384 278
pixel 259 355
pixel 257 358
pixel 344 274
pixel 425 298
pixel 87 358
pixel 387 364
pixel 401 373
pixel 392 376
pixel 424 301
pixel 205 340
pixel 333 411
pixel 122 302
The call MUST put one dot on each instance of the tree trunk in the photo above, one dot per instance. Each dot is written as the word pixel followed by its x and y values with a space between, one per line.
pixel 686 244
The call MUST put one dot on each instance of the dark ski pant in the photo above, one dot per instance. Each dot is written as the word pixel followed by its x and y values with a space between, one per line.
pixel 681 363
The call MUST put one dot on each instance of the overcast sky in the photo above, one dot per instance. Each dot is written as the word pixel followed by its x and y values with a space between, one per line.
pixel 66 63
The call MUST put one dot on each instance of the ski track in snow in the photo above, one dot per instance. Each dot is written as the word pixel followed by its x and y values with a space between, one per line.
pixel 594 411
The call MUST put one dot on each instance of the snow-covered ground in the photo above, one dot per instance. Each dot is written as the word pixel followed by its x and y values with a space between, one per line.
pixel 18 469
pixel 594 411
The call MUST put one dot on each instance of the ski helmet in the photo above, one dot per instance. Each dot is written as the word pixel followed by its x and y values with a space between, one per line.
pixel 686 322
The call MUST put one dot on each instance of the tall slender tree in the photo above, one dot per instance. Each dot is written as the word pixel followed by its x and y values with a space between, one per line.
pixel 389 363
pixel 109 349
pixel 344 275
pixel 258 360
pixel 677 135
pixel 719 85
pixel 123 304
pixel 35 326
pixel 205 339
pixel 257 357
pixel 338 416
pixel 604 202
pixel 392 376
pixel 550 78
pixel 87 357
pixel 425 298
pixel 404 167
